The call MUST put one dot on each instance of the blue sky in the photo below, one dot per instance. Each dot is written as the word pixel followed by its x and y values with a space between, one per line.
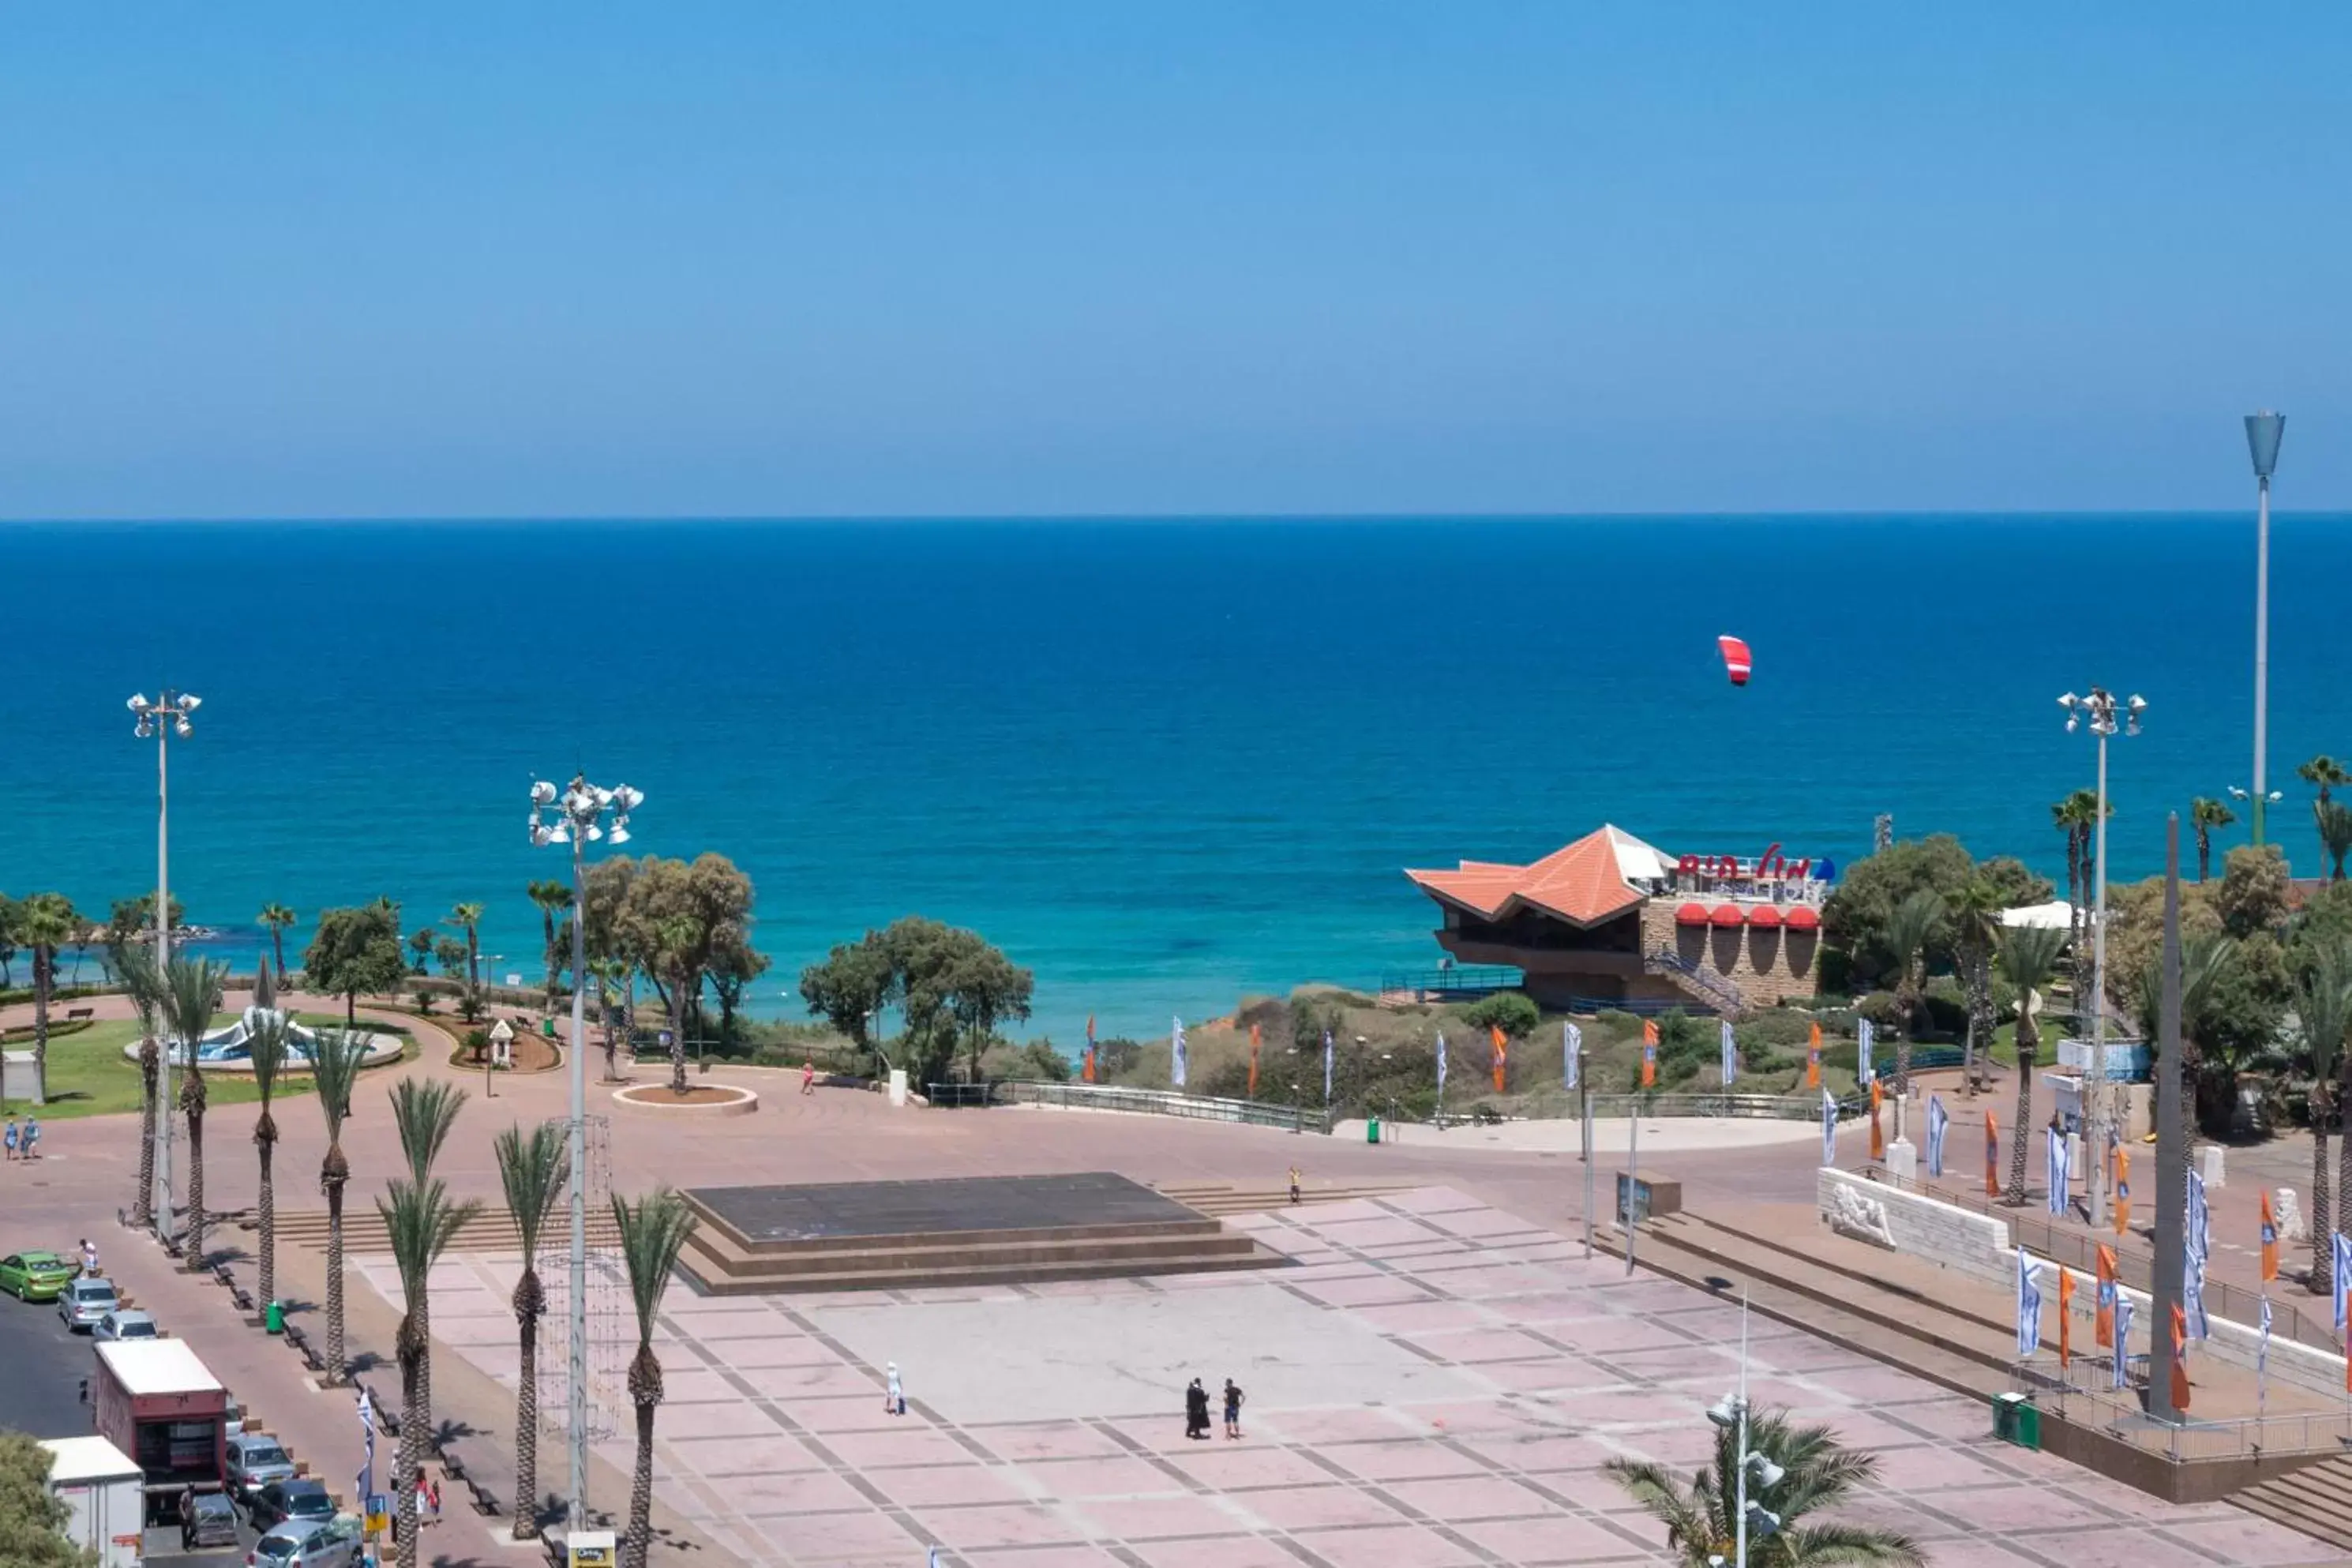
pixel 771 260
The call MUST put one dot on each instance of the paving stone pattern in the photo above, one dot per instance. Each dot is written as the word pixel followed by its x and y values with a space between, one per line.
pixel 1435 1384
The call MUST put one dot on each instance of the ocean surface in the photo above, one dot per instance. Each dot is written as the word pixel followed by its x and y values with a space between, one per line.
pixel 1162 763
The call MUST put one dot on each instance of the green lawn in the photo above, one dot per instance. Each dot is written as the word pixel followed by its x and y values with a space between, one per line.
pixel 90 1076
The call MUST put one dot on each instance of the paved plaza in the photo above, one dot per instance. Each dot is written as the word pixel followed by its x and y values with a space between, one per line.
pixel 1436 1382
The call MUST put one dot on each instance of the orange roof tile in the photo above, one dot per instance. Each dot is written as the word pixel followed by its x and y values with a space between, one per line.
pixel 1580 883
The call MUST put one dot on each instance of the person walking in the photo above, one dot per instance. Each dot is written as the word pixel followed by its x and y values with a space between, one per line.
pixel 1293 1186
pixel 808 1077
pixel 895 1401
pixel 32 1135
pixel 1233 1408
pixel 1196 1410
pixel 89 1258
pixel 12 1137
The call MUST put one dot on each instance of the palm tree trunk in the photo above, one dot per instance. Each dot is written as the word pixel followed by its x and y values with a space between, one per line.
pixel 268 1227
pixel 335 1281
pixel 142 1207
pixel 195 1254
pixel 2204 851
pixel 2027 1046
pixel 425 1363
pixel 44 976
pixel 278 945
pixel 2323 1275
pixel 641 1492
pixel 526 1506
pixel 403 1467
pixel 677 1038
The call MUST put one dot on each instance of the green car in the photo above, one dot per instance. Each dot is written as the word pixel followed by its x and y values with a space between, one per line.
pixel 35 1276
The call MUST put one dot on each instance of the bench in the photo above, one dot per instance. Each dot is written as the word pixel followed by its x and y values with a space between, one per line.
pixel 221 1273
pixel 485 1502
pixel 76 1015
pixel 238 1294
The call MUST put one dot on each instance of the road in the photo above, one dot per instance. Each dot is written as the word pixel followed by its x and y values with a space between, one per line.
pixel 46 1365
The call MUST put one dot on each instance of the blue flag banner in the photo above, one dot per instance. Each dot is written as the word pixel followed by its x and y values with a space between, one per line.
pixel 2262 1348
pixel 1441 1069
pixel 1829 1129
pixel 1327 1069
pixel 1176 1056
pixel 2200 1220
pixel 2029 1307
pixel 1939 1122
pixel 2342 1256
pixel 1572 1051
pixel 1862 1057
pixel 2055 1162
pixel 2193 1298
pixel 1730 1056
pixel 2122 1340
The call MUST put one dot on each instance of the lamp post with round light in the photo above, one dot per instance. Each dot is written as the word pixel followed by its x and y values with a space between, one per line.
pixel 2263 431
pixel 2100 710
pixel 578 821
pixel 166 717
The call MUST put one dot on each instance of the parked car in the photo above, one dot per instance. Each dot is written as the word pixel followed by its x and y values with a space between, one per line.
pixel 207 1519
pixel 256 1459
pixel 34 1276
pixel 278 1501
pixel 309 1543
pixel 84 1302
pixel 127 1323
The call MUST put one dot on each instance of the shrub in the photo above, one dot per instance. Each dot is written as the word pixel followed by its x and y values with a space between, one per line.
pixel 1513 1011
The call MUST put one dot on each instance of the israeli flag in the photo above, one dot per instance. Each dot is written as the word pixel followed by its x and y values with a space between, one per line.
pixel 2054 1160
pixel 2193 1298
pixel 1571 1050
pixel 1829 1129
pixel 2342 1256
pixel 1869 1072
pixel 2029 1307
pixel 2201 1219
pixel 1326 1067
pixel 2262 1348
pixel 1440 1068
pixel 1730 1056
pixel 1939 1122
pixel 2122 1340
pixel 1176 1056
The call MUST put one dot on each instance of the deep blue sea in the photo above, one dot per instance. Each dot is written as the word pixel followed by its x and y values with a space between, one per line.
pixel 1162 763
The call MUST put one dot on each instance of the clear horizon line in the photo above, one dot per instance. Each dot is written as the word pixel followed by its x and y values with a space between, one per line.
pixel 456 520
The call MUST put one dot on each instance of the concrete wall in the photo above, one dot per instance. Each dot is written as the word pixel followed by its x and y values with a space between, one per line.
pixel 1766 967
pixel 1977 1247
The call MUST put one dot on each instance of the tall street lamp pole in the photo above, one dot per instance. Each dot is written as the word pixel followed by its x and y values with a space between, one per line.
pixel 165 717
pixel 579 811
pixel 2099 708
pixel 2263 433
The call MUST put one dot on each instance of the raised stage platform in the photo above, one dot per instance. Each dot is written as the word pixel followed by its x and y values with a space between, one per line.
pixel 963 1230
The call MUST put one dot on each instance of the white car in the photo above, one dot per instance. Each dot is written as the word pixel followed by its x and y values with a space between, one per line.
pixel 84 1303
pixel 127 1324
pixel 307 1544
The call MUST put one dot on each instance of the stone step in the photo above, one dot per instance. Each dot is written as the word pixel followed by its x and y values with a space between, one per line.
pixel 2318 1502
pixel 1221 1198
pixel 488 1231
pixel 914 1275
pixel 797 1246
pixel 1141 1250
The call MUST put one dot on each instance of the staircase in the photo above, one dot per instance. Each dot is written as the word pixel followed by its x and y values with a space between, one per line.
pixel 491 1230
pixel 1223 1198
pixel 2316 1501
pixel 1710 987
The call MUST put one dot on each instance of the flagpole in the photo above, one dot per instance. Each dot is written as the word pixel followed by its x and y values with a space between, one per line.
pixel 1584 1106
pixel 1633 1168
pixel 2171 1158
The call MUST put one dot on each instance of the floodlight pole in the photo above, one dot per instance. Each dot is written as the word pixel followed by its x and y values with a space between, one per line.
pixel 2263 431
pixel 170 710
pixel 1742 1527
pixel 2171 1155
pixel 2101 711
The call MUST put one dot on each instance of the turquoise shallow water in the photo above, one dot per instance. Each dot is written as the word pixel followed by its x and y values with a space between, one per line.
pixel 1162 763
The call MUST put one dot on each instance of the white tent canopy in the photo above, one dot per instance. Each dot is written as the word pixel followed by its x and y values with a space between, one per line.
pixel 2055 915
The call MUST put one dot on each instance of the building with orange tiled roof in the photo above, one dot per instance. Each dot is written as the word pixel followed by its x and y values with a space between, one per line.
pixel 1609 920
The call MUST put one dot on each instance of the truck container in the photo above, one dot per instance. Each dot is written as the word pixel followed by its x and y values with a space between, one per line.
pixel 103 1490
pixel 154 1400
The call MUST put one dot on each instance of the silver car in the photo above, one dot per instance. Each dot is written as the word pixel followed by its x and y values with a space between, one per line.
pixel 256 1459
pixel 309 1543
pixel 84 1302
pixel 127 1324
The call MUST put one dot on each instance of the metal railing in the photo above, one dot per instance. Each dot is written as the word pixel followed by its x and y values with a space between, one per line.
pixel 1666 961
pixel 1140 1101
pixel 1640 1007
pixel 2121 1415
pixel 1470 980
pixel 1743 1107
pixel 2078 1249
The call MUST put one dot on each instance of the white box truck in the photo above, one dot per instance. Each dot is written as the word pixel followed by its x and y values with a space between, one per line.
pixel 101 1487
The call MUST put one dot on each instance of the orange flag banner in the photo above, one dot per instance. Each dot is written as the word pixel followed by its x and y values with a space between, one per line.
pixel 1253 1079
pixel 1649 1053
pixel 1992 1156
pixel 1813 1058
pixel 2103 1316
pixel 2270 1251
pixel 2066 1316
pixel 2180 1358
pixel 1501 1055
pixel 2123 1191
pixel 1088 1074
pixel 1877 1134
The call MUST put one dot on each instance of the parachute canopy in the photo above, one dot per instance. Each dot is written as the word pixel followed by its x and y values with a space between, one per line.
pixel 1736 661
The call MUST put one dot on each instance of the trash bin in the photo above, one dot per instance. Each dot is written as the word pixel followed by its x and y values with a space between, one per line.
pixel 2016 1420
pixel 1372 1131
pixel 2028 1426
pixel 273 1317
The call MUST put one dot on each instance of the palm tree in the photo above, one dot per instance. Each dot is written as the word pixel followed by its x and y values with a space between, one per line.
pixel 552 899
pixel 2322 1002
pixel 1976 919
pixel 335 1059
pixel 2076 813
pixel 651 1235
pixel 2326 774
pixel 420 943
pixel 278 917
pixel 2028 954
pixel 420 1220
pixel 1816 1472
pixel 467 917
pixel 2334 820
pixel 2205 815
pixel 1907 931
pixel 424 1111
pixel 268 1041
pixel 145 988
pixel 191 993
pixel 609 974
pixel 2206 960
pixel 532 1167
pixel 46 923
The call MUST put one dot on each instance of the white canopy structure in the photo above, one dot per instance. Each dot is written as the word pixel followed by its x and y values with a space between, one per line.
pixel 2055 915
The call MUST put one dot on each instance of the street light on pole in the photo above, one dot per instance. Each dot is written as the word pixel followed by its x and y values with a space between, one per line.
pixel 164 718
pixel 2263 431
pixel 579 811
pixel 2099 710
pixel 1750 1519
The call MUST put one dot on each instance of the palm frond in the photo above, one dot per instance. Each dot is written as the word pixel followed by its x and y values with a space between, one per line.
pixel 420 1220
pixel 269 1042
pixel 335 1059
pixel 191 994
pixel 1829 1545
pixel 533 1167
pixel 144 984
pixel 652 1234
pixel 2028 954
pixel 1691 1527
pixel 423 1111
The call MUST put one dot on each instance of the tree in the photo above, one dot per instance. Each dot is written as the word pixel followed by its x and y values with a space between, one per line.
pixel 1513 1011
pixel 1815 1473
pixel 422 1111
pixel 2227 1019
pixel 191 993
pixel 1976 930
pixel 10 912
pixel 278 917
pixel 984 986
pixel 532 1169
pixel 1855 917
pixel 420 943
pixel 46 921
pixel 2325 775
pixel 146 987
pixel 356 950
pixel 420 1220
pixel 853 984
pixel 2077 815
pixel 1908 931
pixel 335 1059
pixel 450 955
pixel 32 1519
pixel 467 917
pixel 609 974
pixel 674 918
pixel 269 1041
pixel 2028 954
pixel 552 899
pixel 2323 1003
pixel 2335 819
pixel 652 1234
pixel 2205 815
pixel 2254 892
pixel 733 967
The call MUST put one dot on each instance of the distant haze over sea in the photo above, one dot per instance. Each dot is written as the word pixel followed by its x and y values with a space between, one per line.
pixel 1162 763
